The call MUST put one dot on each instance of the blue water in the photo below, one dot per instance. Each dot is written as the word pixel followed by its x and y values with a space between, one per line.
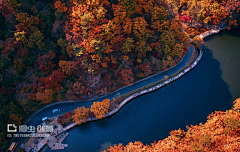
pixel 70 106
pixel 189 100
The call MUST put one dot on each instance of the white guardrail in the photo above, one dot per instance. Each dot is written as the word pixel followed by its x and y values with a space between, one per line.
pixel 145 91
pixel 203 35
pixel 157 86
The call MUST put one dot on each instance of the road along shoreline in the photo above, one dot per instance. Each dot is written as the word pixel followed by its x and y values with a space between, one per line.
pixel 178 66
pixel 139 93
pixel 172 78
pixel 126 100
pixel 203 35
pixel 90 100
pixel 148 88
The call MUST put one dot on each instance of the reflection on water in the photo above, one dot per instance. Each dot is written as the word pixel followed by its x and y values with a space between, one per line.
pixel 151 117
pixel 226 49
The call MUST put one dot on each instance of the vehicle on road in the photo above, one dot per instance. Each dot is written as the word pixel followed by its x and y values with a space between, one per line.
pixel 45 118
pixel 56 110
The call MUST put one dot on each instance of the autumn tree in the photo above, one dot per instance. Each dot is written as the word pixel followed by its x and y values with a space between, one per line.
pixel 197 41
pixel 80 115
pixel 62 44
pixel 167 37
pixel 52 81
pixel 177 50
pixel 219 133
pixel 61 7
pixel 45 62
pixel 145 69
pixel 46 96
pixel 130 6
pixel 36 40
pixel 127 45
pixel 127 76
pixel 115 148
pixel 100 108
pixel 139 27
pixel 79 88
pixel 127 26
pixel 66 67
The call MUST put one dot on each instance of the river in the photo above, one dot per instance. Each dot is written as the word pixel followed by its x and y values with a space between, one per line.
pixel 212 85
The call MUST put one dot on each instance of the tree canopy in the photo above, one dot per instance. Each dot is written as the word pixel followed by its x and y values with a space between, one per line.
pixel 220 133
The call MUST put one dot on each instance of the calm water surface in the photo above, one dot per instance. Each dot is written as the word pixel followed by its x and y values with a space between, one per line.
pixel 212 85
pixel 226 49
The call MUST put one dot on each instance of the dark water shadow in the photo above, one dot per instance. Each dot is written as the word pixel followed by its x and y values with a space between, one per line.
pixel 235 31
pixel 150 117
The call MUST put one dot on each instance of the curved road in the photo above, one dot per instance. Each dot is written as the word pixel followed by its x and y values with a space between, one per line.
pixel 69 106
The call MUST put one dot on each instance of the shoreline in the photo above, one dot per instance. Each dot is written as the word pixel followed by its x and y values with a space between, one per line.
pixel 93 119
pixel 142 91
pixel 155 87
pixel 76 101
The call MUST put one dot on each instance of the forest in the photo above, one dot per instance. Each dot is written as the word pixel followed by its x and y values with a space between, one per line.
pixel 221 132
pixel 58 50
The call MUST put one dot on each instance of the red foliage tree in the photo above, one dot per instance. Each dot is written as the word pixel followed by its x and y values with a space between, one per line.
pixel 52 81
pixel 45 62
pixel 5 8
pixel 79 88
pixel 127 76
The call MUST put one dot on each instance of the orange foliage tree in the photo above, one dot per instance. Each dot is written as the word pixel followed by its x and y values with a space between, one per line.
pixel 46 96
pixel 66 67
pixel 61 7
pixel 100 108
pixel 80 115
pixel 105 33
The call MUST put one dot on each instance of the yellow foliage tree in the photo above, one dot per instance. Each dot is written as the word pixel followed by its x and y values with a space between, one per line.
pixel 100 12
pixel 80 115
pixel 20 36
pixel 139 26
pixel 197 41
pixel 100 108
